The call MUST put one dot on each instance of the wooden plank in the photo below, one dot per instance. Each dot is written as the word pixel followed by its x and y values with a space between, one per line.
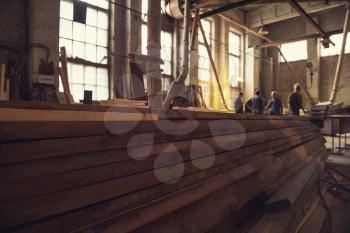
pixel 33 169
pixel 54 204
pixel 156 209
pixel 63 72
pixel 50 183
pixel 287 220
pixel 38 149
pixel 9 115
pixel 289 193
pixel 114 226
pixel 70 107
pixel 53 129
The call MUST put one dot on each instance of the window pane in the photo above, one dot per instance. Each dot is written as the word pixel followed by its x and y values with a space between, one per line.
pixel 166 67
pixel 66 10
pixel 166 51
pixel 66 29
pixel 90 53
pixel 103 4
pixel 69 69
pixel 91 35
pixel 202 51
pixel 90 75
pixel 79 31
pixel 102 37
pixel 102 20
pixel 102 77
pixel 144 39
pixel 234 70
pixel 78 49
pixel 204 75
pixel 144 10
pixel 91 17
pixel 77 74
pixel 234 43
pixel 203 59
pixel 206 24
pixel 68 45
pixel 335 50
pixel 203 63
pixel 102 93
pixel 295 51
pixel 102 55
pixel 77 91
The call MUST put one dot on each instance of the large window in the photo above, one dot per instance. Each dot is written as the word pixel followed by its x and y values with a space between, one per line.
pixel 335 50
pixel 294 51
pixel 203 57
pixel 84 33
pixel 167 52
pixel 234 41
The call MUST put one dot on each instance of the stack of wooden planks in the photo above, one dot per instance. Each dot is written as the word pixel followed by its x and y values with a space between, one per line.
pixel 76 168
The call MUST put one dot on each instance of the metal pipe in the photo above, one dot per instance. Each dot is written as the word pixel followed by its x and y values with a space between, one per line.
pixel 335 88
pixel 185 51
pixel 177 87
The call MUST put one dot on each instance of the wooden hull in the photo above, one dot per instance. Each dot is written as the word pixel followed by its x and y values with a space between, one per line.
pixel 72 169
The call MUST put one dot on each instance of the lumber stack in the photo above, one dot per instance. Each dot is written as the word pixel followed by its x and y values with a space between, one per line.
pixel 76 168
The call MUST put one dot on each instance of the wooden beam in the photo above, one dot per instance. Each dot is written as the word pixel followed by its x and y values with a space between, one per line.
pixel 338 71
pixel 293 39
pixel 307 18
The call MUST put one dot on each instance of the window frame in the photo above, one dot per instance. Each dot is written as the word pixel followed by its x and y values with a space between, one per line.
pixel 287 56
pixel 202 44
pixel 239 56
pixel 79 61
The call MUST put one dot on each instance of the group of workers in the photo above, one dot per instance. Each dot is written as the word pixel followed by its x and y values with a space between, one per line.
pixel 257 103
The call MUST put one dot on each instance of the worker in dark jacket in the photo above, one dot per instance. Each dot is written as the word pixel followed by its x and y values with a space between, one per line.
pixel 239 103
pixel 275 104
pixel 295 101
pixel 258 103
pixel 248 107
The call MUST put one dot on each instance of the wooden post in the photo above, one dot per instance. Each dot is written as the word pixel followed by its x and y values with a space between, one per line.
pixel 154 82
pixel 341 57
pixel 213 66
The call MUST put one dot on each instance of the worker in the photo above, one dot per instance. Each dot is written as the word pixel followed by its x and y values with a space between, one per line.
pixel 275 104
pixel 248 107
pixel 295 101
pixel 258 103
pixel 239 103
